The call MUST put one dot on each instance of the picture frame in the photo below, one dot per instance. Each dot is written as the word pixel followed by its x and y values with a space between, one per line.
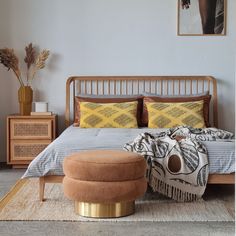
pixel 194 20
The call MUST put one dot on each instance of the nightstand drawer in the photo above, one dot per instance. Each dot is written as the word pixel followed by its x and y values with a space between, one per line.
pixel 26 150
pixel 31 129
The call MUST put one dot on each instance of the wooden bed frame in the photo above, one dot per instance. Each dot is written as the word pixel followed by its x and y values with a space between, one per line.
pixel 130 85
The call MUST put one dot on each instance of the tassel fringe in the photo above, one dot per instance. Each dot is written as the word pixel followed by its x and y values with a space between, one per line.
pixel 171 191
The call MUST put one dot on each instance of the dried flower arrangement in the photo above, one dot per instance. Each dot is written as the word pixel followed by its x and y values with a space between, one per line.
pixel 33 63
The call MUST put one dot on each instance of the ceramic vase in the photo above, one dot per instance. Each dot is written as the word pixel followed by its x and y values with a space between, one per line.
pixel 25 98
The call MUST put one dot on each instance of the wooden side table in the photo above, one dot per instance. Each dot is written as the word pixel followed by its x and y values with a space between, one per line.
pixel 27 136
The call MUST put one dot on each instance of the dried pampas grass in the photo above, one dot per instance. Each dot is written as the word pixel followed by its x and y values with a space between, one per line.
pixel 11 61
pixel 30 55
pixel 29 58
pixel 40 61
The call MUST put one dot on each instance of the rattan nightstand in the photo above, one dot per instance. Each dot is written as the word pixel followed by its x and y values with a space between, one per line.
pixel 27 136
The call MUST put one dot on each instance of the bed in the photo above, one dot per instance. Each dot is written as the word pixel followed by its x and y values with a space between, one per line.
pixel 48 165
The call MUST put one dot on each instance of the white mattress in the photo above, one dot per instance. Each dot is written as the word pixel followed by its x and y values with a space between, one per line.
pixel 49 162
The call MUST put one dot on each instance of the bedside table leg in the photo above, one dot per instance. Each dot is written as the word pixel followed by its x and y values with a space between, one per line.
pixel 41 188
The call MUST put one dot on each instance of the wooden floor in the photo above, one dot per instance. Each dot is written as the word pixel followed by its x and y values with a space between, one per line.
pixel 8 177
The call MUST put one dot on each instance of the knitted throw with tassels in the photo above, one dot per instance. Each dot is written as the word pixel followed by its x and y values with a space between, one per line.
pixel 177 167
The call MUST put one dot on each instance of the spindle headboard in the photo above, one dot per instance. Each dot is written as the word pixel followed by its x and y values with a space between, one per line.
pixel 130 85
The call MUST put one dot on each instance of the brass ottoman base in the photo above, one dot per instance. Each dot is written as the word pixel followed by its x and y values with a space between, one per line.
pixel 105 210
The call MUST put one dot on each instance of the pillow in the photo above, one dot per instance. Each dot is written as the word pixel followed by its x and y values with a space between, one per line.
pixel 108 115
pixel 169 99
pixel 149 94
pixel 85 95
pixel 107 99
pixel 169 115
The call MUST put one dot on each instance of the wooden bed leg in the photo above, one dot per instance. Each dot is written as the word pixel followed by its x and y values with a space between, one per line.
pixel 41 188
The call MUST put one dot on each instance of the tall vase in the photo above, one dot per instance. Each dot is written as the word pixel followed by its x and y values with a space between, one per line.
pixel 25 98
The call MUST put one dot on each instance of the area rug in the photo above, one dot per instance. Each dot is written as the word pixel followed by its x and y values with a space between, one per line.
pixel 22 204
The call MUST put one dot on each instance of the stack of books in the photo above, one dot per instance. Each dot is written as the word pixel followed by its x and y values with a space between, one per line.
pixel 47 113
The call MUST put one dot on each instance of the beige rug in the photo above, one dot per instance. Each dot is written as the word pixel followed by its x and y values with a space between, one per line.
pixel 22 203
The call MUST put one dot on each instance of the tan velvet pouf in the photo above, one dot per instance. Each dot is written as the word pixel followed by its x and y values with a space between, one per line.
pixel 104 183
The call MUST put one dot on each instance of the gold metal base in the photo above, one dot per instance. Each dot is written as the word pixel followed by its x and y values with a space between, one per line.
pixel 105 210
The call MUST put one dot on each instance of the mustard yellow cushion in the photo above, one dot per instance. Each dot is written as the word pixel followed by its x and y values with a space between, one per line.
pixel 108 115
pixel 168 115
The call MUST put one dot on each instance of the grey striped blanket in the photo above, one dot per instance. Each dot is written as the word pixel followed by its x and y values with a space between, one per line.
pixel 177 160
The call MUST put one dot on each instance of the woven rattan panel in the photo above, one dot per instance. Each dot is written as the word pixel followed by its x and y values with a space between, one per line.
pixel 34 129
pixel 29 150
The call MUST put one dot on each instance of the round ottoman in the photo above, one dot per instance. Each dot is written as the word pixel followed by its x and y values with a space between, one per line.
pixel 104 183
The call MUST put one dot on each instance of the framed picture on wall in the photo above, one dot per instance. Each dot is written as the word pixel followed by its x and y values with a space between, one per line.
pixel 201 17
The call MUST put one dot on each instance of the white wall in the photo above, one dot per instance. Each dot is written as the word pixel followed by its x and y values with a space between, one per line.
pixel 7 93
pixel 111 37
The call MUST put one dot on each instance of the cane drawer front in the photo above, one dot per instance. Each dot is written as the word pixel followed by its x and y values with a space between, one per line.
pixel 31 129
pixel 25 150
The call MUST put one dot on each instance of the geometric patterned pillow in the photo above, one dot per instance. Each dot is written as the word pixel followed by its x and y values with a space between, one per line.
pixel 168 115
pixel 106 99
pixel 191 98
pixel 108 115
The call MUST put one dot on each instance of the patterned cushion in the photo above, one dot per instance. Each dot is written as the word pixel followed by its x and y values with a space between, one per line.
pixel 107 99
pixel 173 99
pixel 168 115
pixel 108 115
